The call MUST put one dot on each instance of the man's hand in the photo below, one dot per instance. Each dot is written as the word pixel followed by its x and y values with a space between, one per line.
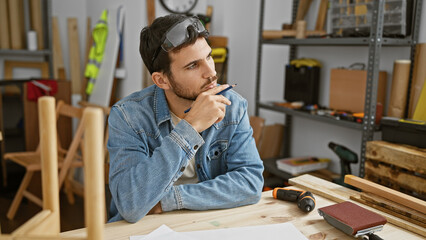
pixel 156 209
pixel 208 109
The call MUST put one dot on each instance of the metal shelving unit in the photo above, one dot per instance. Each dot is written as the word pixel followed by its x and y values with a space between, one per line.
pixel 374 43
pixel 47 34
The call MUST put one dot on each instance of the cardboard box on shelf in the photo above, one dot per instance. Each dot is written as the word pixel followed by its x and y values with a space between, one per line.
pixel 347 89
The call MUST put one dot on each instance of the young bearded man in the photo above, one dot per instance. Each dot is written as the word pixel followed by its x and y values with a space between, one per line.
pixel 163 158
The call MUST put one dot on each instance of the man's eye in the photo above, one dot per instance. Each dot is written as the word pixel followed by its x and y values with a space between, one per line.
pixel 192 66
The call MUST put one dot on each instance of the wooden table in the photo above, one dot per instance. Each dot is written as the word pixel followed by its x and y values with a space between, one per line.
pixel 267 211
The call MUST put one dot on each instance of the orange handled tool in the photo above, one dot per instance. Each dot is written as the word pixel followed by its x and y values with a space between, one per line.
pixel 305 200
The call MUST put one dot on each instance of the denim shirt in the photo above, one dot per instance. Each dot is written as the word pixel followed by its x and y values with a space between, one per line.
pixel 147 155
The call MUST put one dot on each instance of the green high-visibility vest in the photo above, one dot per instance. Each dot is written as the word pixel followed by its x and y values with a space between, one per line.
pixel 96 54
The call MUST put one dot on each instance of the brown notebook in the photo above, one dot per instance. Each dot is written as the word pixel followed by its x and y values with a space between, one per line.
pixel 352 219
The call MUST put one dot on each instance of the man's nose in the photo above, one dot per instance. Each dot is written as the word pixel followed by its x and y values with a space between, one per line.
pixel 210 71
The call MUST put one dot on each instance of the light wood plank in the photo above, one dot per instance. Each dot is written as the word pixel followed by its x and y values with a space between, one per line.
pixel 74 52
pixel 340 194
pixel 94 190
pixel 34 221
pixel 36 22
pixel 49 162
pixel 322 13
pixel 404 156
pixel 58 60
pixel 393 206
pixel 4 25
pixel 397 178
pixel 16 23
pixel 302 9
pixel 396 214
pixel 387 193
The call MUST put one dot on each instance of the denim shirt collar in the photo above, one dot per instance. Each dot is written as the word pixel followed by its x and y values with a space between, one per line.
pixel 161 108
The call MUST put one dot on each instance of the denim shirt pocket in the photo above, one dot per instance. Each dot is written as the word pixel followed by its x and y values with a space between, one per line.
pixel 216 157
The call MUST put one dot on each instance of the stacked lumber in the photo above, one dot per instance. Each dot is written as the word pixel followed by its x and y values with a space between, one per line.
pixel 389 201
pixel 400 167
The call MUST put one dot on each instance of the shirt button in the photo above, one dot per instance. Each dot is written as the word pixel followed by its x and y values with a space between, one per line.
pixel 182 169
pixel 195 147
pixel 198 166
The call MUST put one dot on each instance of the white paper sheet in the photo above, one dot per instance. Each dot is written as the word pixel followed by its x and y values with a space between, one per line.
pixel 247 233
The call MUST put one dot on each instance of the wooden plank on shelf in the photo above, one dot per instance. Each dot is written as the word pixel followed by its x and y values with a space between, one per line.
pixel 398 177
pixel 401 198
pixel 4 25
pixel 58 60
pixel 74 52
pixel 277 34
pixel 16 24
pixel 403 156
pixel 36 22
pixel 302 10
pixel 339 194
pixel 419 78
pixel 322 13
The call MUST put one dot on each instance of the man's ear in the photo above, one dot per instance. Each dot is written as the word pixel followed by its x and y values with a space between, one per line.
pixel 160 80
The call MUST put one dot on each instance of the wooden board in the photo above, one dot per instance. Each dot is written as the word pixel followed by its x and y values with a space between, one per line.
pixel 397 177
pixel 322 13
pixel 395 207
pixel 4 25
pixel 420 112
pixel 302 9
pixel 271 143
pixel 58 60
pixel 36 22
pixel 74 52
pixel 277 34
pixel 339 194
pixel 382 209
pixel 16 24
pixel 387 193
pixel 403 156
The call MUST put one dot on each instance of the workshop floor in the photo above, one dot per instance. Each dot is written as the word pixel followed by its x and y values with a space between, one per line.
pixel 72 216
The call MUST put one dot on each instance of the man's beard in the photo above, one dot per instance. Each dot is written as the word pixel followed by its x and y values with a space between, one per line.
pixel 186 93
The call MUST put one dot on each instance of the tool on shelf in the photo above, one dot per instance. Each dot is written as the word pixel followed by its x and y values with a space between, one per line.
pixel 346 157
pixel 305 200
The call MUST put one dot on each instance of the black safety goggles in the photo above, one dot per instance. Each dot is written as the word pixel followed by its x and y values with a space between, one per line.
pixel 178 34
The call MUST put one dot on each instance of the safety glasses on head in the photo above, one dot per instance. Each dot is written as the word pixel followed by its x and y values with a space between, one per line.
pixel 178 34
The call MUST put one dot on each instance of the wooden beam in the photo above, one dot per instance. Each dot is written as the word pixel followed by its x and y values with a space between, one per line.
pixel 397 177
pixel 395 207
pixel 383 209
pixel 403 156
pixel 322 13
pixel 387 193
pixel 36 22
pixel 58 60
pixel 74 52
pixel 302 9
pixel 16 23
pixel 94 189
pixel 4 25
pixel 339 194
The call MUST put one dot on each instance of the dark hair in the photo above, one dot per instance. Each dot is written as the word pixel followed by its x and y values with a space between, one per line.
pixel 151 39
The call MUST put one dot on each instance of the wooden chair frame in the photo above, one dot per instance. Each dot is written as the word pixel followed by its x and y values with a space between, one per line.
pixel 46 224
pixel 31 160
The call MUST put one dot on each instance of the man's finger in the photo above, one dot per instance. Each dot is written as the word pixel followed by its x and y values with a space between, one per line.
pixel 217 89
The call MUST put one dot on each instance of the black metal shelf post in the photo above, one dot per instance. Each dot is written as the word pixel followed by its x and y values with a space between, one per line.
pixel 374 44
